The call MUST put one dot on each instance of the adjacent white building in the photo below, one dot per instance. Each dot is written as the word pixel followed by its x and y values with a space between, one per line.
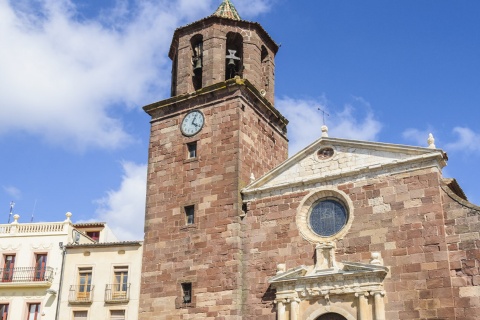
pixel 101 281
pixel 31 259
pixel 61 270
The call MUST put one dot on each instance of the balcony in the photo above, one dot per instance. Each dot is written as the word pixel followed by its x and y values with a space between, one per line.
pixel 117 293
pixel 26 277
pixel 81 294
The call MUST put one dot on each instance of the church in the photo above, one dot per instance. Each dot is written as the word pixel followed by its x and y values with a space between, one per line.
pixel 342 230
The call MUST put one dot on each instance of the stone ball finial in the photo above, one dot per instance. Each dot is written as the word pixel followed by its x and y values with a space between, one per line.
pixel 376 259
pixel 431 141
pixel 68 215
pixel 281 268
pixel 324 131
pixel 15 218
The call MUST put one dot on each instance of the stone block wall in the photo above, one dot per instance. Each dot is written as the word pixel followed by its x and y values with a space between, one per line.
pixel 401 216
pixel 208 253
pixel 214 33
pixel 462 221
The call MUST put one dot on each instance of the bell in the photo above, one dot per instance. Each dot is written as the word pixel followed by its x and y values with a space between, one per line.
pixel 231 63
pixel 197 65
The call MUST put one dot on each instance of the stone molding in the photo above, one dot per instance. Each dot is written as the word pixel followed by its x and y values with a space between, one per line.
pixel 304 209
pixel 396 159
pixel 347 281
pixel 458 199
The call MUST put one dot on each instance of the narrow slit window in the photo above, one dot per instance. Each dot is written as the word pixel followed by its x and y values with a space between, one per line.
pixel 192 150
pixel 3 311
pixel 187 292
pixel 190 214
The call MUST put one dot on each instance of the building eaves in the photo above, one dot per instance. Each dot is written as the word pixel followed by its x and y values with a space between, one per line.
pixel 89 224
pixel 104 244
pixel 212 19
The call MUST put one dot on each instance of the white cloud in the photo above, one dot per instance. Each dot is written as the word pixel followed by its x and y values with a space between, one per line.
pixel 124 209
pixel 467 141
pixel 252 8
pixel 69 79
pixel 353 122
pixel 12 191
pixel 417 136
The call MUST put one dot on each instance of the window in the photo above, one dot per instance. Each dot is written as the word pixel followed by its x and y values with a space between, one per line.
pixel 187 292
pixel 84 283
pixel 80 315
pixel 3 311
pixel 121 282
pixel 328 217
pixel 117 314
pixel 33 311
pixel 197 60
pixel 190 214
pixel 8 267
pixel 192 150
pixel 234 55
pixel 95 235
pixel 40 267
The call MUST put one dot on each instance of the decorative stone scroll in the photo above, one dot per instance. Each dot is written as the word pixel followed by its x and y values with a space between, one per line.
pixel 345 288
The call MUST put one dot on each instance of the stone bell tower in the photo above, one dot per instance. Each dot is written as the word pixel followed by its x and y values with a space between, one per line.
pixel 216 133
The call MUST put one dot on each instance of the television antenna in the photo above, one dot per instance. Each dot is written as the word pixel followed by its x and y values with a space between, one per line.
pixel 12 204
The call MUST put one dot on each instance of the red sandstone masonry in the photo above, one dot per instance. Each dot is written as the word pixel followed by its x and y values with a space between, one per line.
pixel 208 254
pixel 412 242
pixel 462 229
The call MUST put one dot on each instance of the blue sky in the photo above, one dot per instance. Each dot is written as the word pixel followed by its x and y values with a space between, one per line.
pixel 75 74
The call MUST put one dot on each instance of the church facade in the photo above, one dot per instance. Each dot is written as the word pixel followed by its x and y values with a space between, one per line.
pixel 344 229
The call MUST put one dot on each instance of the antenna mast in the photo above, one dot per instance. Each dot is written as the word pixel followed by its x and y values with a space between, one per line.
pixel 33 211
pixel 12 204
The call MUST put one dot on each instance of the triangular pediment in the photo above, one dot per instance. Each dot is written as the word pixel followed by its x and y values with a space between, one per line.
pixel 347 269
pixel 294 273
pixel 332 158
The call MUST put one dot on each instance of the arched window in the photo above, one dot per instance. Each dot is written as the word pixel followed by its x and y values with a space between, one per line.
pixel 234 56
pixel 265 68
pixel 197 60
pixel 173 89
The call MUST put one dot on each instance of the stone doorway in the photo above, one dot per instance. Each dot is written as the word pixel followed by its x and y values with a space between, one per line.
pixel 331 316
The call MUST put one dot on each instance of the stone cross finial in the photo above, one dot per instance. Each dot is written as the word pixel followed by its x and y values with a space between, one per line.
pixel 324 131
pixel 431 141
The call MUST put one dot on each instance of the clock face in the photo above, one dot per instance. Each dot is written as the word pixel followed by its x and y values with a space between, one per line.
pixel 192 123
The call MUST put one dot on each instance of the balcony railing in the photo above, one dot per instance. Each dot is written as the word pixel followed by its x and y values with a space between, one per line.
pixel 26 275
pixel 81 294
pixel 117 293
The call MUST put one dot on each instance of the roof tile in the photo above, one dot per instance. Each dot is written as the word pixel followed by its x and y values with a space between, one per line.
pixel 227 10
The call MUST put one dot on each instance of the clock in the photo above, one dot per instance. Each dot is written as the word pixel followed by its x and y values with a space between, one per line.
pixel 192 123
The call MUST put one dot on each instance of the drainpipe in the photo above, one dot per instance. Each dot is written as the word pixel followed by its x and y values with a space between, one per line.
pixel 64 251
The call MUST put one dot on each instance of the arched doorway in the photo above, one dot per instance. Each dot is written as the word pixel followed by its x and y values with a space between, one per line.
pixel 331 316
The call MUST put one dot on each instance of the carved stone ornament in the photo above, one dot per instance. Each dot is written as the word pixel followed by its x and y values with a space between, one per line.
pixel 332 285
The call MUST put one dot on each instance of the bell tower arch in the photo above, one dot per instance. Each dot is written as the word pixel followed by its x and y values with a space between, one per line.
pixel 220 47
pixel 217 130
